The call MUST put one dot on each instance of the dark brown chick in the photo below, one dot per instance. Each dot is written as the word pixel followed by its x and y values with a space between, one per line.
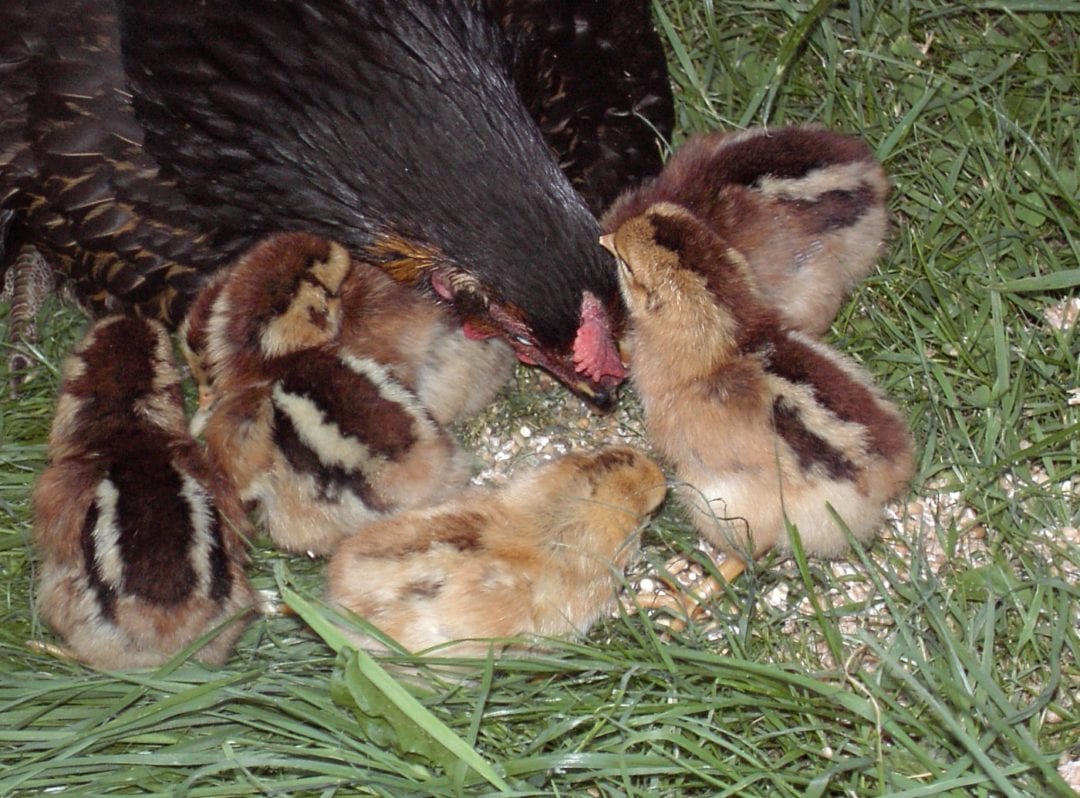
pixel 804 206
pixel 541 556
pixel 322 439
pixel 142 546
pixel 762 424
pixel 453 376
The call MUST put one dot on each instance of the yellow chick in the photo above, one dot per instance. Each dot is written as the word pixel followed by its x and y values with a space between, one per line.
pixel 803 206
pixel 320 438
pixel 142 546
pixel 760 422
pixel 540 556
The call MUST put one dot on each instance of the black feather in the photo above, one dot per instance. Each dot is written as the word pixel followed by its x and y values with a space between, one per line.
pixel 594 77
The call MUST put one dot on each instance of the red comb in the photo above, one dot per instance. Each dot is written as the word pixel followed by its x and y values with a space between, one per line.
pixel 595 354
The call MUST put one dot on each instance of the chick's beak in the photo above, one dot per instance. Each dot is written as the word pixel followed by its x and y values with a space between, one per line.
pixel 608 243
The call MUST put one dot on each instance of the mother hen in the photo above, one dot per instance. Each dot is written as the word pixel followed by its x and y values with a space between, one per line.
pixel 143 144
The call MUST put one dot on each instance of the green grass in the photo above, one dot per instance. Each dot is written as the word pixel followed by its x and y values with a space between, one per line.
pixel 955 677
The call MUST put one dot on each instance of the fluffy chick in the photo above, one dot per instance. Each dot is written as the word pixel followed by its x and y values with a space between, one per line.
pixel 760 422
pixel 540 556
pixel 804 206
pixel 322 438
pixel 142 549
pixel 453 375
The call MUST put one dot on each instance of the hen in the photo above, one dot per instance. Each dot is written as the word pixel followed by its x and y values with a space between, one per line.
pixel 143 145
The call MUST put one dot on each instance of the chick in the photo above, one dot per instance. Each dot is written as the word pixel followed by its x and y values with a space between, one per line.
pixel 804 206
pixel 142 547
pixel 453 375
pixel 542 555
pixel 761 423
pixel 321 437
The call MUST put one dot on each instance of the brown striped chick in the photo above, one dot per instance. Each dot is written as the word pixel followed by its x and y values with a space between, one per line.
pixel 804 206
pixel 320 439
pixel 540 556
pixel 761 422
pixel 453 376
pixel 142 547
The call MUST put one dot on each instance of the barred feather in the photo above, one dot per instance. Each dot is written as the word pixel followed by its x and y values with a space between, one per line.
pixel 27 282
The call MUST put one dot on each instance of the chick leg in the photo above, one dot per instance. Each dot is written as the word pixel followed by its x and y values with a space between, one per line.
pixel 53 650
pixel 687 602
pixel 729 569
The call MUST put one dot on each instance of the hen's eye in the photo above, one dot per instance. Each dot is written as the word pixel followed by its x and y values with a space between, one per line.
pixel 521 339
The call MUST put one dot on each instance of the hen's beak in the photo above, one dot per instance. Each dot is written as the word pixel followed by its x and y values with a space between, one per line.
pixel 603 399
pixel 601 393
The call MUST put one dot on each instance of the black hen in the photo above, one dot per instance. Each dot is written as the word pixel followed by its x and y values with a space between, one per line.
pixel 398 127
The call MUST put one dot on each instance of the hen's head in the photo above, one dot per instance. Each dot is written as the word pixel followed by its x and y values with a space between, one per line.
pixel 563 320
pixel 588 363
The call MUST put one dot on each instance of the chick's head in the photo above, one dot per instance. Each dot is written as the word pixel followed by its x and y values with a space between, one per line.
pixel 672 272
pixel 120 379
pixel 282 297
pixel 603 499
pixel 121 360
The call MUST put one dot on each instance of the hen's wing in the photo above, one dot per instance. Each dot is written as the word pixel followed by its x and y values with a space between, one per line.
pixel 594 77
pixel 73 172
